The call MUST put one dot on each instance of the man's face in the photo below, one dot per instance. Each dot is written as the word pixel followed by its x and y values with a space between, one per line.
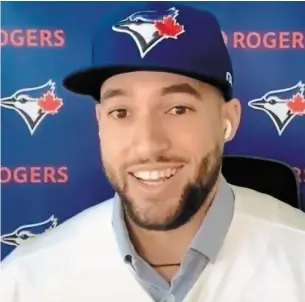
pixel 161 142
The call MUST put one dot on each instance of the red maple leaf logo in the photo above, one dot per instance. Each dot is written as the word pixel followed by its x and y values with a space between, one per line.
pixel 49 103
pixel 169 27
pixel 297 104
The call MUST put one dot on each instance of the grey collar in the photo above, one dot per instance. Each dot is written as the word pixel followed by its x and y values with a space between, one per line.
pixel 213 230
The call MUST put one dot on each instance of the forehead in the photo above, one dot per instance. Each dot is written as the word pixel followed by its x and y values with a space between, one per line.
pixel 154 80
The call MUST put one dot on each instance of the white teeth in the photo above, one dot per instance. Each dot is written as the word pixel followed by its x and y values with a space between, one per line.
pixel 144 175
pixel 155 174
pixel 172 172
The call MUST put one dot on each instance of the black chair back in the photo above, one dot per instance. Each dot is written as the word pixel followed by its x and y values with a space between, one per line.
pixel 263 175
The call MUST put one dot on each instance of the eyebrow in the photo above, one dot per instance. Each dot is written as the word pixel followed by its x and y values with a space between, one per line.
pixel 112 93
pixel 182 88
pixel 176 88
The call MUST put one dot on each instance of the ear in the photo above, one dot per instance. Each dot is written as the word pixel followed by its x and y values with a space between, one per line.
pixel 98 117
pixel 231 113
pixel 228 130
pixel 98 112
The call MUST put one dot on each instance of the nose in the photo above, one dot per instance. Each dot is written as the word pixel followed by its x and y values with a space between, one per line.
pixel 150 139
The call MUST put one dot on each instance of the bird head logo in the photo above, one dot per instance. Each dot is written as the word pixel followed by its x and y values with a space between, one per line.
pixel 149 28
pixel 34 104
pixel 282 105
pixel 25 232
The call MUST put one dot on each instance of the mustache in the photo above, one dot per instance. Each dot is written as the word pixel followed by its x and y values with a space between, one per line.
pixel 158 159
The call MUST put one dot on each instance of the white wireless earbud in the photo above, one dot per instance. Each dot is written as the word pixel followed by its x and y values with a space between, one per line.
pixel 228 129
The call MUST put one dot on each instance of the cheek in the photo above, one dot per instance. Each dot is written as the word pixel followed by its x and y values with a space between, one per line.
pixel 113 146
pixel 196 135
pixel 196 139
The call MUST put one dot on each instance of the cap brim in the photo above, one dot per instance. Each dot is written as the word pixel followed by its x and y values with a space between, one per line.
pixel 89 81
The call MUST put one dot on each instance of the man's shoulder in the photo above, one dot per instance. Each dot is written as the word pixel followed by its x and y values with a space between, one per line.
pixel 271 226
pixel 68 235
pixel 268 209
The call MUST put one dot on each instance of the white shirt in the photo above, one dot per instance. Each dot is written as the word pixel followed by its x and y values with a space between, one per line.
pixel 262 259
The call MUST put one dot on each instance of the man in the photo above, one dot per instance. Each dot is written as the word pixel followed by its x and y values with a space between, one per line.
pixel 176 230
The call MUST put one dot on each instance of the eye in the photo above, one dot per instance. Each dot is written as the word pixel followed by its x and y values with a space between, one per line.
pixel 179 110
pixel 22 100
pixel 272 101
pixel 138 21
pixel 119 113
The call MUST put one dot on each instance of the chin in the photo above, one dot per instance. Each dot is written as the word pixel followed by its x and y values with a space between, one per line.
pixel 152 213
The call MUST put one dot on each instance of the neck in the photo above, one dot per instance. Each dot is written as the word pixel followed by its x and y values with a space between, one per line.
pixel 166 247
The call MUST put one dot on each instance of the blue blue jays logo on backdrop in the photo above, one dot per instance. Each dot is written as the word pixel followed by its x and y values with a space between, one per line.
pixel 282 105
pixel 24 232
pixel 149 28
pixel 34 104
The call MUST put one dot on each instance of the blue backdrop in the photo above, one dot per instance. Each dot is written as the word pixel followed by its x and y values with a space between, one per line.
pixel 50 151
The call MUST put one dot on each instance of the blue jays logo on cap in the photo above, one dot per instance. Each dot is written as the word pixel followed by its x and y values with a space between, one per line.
pixel 149 28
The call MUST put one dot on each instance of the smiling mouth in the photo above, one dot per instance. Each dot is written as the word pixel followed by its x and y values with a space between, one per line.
pixel 155 177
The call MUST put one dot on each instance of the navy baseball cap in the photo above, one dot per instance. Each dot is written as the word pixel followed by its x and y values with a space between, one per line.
pixel 156 36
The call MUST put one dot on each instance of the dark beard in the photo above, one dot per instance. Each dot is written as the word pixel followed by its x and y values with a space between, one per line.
pixel 193 197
